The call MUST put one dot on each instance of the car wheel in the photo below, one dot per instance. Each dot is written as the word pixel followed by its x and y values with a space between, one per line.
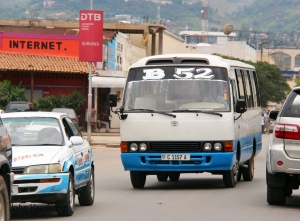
pixel 230 177
pixel 87 193
pixel 65 207
pixel 138 179
pixel 276 195
pixel 248 173
pixel 4 201
pixel 174 177
pixel 162 176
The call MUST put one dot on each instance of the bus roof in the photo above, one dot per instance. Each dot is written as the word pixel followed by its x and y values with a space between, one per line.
pixel 212 60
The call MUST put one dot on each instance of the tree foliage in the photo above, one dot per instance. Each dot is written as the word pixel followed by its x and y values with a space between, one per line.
pixel 74 101
pixel 272 86
pixel 9 92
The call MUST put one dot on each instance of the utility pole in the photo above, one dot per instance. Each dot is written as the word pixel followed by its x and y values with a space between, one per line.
pixel 89 97
pixel 204 13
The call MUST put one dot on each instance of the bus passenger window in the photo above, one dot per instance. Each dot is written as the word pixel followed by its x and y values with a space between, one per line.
pixel 248 89
pixel 241 90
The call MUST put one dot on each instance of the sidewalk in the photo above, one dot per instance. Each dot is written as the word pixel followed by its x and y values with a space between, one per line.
pixel 103 139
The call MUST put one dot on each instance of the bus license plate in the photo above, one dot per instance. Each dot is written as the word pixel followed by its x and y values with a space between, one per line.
pixel 175 157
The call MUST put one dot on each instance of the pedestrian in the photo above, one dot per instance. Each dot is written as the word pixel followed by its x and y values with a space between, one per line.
pixel 30 107
pixel 262 123
pixel 267 124
pixel 101 122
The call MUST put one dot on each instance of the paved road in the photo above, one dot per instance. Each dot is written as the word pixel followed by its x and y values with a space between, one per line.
pixel 194 197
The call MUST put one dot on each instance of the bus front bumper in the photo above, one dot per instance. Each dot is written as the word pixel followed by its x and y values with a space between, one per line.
pixel 199 162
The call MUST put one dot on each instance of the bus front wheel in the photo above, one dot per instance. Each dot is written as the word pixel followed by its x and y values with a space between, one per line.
pixel 138 179
pixel 230 177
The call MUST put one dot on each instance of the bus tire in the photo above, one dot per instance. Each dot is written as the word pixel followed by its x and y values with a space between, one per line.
pixel 162 176
pixel 230 177
pixel 138 179
pixel 174 177
pixel 240 174
pixel 276 195
pixel 248 173
pixel 4 201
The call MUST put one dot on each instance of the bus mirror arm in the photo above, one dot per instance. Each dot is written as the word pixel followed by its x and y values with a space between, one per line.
pixel 238 117
pixel 121 111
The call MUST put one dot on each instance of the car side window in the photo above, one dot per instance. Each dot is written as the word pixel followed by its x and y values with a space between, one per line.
pixel 74 129
pixel 292 105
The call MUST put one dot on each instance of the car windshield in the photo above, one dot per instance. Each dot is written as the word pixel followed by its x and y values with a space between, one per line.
pixel 17 107
pixel 34 131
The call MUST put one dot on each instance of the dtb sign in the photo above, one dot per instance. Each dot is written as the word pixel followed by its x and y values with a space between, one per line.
pixel 91 35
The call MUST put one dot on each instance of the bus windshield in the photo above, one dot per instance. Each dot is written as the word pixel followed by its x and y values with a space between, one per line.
pixel 162 89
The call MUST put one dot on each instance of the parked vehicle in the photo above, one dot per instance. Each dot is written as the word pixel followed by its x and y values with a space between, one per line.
pixel 6 176
pixel 186 113
pixel 283 154
pixel 16 106
pixel 51 160
pixel 70 112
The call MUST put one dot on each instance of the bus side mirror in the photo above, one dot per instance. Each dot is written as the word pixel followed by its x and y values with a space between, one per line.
pixel 112 100
pixel 240 106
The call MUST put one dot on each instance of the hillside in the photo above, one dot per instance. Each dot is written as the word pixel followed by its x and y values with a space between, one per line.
pixel 280 16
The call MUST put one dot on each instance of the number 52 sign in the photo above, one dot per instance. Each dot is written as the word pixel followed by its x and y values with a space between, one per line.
pixel 91 35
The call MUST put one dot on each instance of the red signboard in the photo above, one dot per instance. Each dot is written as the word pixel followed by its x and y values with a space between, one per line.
pixel 91 35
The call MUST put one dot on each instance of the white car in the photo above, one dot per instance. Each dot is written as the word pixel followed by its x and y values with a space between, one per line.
pixel 283 153
pixel 51 160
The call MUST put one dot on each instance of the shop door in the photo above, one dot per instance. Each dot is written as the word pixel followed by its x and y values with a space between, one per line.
pixel 103 105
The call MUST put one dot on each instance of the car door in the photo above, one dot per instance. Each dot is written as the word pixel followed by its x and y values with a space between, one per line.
pixel 81 154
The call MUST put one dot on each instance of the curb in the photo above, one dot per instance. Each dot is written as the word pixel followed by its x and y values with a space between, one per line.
pixel 99 145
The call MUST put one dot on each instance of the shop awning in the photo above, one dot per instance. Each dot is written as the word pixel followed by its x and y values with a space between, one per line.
pixel 108 82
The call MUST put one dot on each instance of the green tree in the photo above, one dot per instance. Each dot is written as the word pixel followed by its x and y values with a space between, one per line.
pixel 74 101
pixel 272 86
pixel 9 92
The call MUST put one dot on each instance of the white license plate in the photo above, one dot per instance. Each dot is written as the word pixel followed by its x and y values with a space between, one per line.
pixel 175 157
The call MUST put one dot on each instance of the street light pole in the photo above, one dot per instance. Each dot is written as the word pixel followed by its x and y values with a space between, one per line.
pixel 89 114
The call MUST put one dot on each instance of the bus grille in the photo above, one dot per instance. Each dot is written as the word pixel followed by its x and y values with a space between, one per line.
pixel 174 146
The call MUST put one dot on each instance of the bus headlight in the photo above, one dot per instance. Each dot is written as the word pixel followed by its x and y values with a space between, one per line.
pixel 133 147
pixel 207 146
pixel 218 146
pixel 143 147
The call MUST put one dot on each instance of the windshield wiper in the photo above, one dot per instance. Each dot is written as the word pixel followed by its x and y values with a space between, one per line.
pixel 199 111
pixel 152 111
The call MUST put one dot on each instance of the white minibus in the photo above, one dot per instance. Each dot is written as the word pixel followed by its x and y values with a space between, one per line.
pixel 189 113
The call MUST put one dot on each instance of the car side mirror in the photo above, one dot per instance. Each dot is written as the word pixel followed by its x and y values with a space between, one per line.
pixel 240 106
pixel 112 100
pixel 75 141
pixel 273 114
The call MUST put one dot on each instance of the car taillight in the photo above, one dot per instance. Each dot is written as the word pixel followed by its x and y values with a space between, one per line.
pixel 287 131
pixel 74 120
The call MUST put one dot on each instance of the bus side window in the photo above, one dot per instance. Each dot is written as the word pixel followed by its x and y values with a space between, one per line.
pixel 248 89
pixel 240 84
pixel 234 94
pixel 255 89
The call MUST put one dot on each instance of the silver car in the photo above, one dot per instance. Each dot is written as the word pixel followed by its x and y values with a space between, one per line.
pixel 283 154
